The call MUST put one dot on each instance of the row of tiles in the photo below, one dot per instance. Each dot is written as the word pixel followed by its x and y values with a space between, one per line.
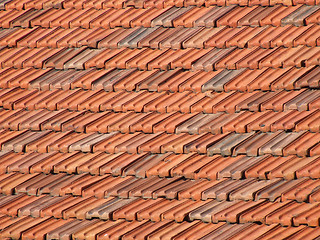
pixel 178 80
pixel 103 4
pixel 285 213
pixel 162 38
pixel 279 143
pixel 100 187
pixel 164 102
pixel 179 3
pixel 49 228
pixel 189 166
pixel 166 59
pixel 130 122
pixel 149 59
pixel 175 122
pixel 231 16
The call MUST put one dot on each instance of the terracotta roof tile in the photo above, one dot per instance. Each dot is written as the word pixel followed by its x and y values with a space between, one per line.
pixel 186 59
pixel 168 17
pixel 121 101
pixel 115 80
pixel 199 123
pixel 160 210
pixel 87 228
pixel 107 186
pixel 44 4
pixel 176 119
pixel 277 143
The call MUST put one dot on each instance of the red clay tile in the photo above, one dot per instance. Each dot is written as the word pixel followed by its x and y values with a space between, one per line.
pixel 149 132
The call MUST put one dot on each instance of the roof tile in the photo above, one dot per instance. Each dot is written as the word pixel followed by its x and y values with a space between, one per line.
pixel 159 119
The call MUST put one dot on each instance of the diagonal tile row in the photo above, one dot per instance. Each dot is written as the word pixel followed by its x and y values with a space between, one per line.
pixel 26 4
pixel 112 208
pixel 190 166
pixel 178 3
pixel 248 121
pixel 178 80
pixel 284 182
pixel 192 16
pixel 164 102
pixel 175 122
pixel 103 4
pixel 130 187
pixel 279 143
pixel 50 228
pixel 158 210
pixel 162 38
pixel 149 59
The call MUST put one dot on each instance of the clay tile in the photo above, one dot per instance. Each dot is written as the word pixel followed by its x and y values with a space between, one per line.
pixel 145 230
pixel 298 16
pixel 19 227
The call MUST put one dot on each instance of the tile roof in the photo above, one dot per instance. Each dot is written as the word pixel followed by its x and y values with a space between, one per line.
pixel 148 119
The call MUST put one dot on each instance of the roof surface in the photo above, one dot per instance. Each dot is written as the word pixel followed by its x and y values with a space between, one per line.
pixel 176 119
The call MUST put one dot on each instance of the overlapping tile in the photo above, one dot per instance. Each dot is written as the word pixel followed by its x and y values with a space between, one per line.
pixel 81 4
pixel 84 229
pixel 159 119
pixel 278 143
pixel 243 80
pixel 189 166
pixel 163 38
pixel 164 59
pixel 191 16
pixel 130 187
pixel 163 102
pixel 175 122
pixel 160 210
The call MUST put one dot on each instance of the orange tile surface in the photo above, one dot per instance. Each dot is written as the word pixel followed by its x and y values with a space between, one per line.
pixel 149 119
